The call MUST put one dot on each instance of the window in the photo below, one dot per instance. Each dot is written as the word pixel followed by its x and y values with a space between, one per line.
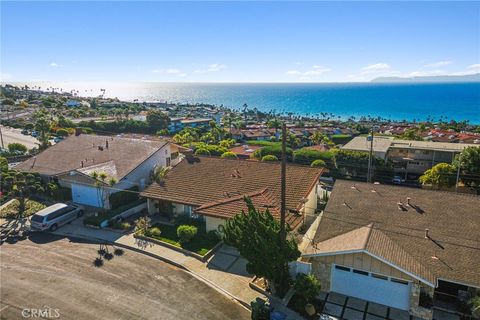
pixel 168 161
pixel 174 155
pixel 399 281
pixel 379 276
pixel 363 273
pixel 342 268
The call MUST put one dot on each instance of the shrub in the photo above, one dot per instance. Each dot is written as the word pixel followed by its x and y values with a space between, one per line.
pixel 229 155
pixel 227 143
pixel 61 193
pixel 154 232
pixel 306 156
pixel 213 236
pixel 62 132
pixel 307 286
pixel 17 148
pixel 186 233
pixel 341 138
pixel 269 157
pixel 275 150
pixel 318 164
pixel 121 198
pixel 202 152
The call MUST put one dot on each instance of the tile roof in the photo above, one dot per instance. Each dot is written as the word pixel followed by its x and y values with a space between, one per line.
pixel 452 250
pixel 209 179
pixel 120 158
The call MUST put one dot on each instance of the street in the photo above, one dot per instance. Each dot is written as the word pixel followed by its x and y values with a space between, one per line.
pixel 59 275
pixel 11 135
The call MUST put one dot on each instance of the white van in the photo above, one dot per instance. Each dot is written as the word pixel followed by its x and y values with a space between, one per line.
pixel 55 216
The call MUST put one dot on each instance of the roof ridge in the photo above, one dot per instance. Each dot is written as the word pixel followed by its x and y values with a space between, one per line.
pixel 367 239
pixel 231 199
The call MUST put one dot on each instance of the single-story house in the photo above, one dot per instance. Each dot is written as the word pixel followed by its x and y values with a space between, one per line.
pixel 213 189
pixel 95 166
pixel 245 151
pixel 398 246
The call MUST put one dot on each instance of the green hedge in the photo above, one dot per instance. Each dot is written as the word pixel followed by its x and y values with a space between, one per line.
pixel 307 156
pixel 123 197
pixel 341 138
pixel 274 151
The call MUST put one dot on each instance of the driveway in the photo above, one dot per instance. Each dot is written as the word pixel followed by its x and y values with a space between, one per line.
pixel 51 272
pixel 12 135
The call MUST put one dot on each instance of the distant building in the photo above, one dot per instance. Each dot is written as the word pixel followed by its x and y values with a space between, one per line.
pixel 409 156
pixel 72 103
pixel 177 124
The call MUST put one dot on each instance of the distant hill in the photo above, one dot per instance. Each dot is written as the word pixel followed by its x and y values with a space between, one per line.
pixel 466 78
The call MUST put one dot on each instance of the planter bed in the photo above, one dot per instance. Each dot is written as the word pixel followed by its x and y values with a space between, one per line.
pixel 200 247
pixel 107 215
pixel 10 208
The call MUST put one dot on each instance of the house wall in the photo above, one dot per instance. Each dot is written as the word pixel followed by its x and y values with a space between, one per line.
pixel 212 223
pixel 311 205
pixel 90 196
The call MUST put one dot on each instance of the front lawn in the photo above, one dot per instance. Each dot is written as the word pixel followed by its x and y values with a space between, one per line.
pixel 200 244
pixel 31 207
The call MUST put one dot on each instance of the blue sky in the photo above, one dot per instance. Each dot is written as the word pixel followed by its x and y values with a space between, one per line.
pixel 237 41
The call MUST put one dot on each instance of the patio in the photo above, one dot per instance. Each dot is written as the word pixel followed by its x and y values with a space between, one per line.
pixel 339 306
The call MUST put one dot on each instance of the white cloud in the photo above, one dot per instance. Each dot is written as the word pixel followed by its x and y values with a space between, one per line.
pixel 55 65
pixel 315 70
pixel 171 71
pixel 216 67
pixel 376 68
pixel 474 67
pixel 438 64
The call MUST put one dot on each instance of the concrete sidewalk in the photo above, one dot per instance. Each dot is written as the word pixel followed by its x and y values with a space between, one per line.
pixel 234 285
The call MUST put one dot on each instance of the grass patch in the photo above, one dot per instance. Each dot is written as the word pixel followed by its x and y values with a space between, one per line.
pixel 200 244
pixel 31 207
pixel 107 215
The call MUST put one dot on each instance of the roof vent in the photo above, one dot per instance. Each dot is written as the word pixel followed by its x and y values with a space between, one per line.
pixel 401 207
pixel 408 201
pixel 100 148
pixel 426 234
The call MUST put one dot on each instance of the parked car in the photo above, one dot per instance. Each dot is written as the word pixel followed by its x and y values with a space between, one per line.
pixel 397 180
pixel 25 132
pixel 55 216
pixel 34 134
pixel 57 139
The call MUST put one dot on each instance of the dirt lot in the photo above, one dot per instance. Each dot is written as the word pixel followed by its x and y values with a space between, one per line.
pixel 48 272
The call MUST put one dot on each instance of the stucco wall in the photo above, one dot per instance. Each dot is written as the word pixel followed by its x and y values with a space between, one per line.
pixel 212 223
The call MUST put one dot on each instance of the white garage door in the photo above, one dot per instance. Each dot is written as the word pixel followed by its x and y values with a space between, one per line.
pixel 86 195
pixel 371 287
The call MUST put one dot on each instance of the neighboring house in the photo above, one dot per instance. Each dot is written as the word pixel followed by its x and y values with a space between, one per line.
pixel 213 189
pixel 126 163
pixel 245 151
pixel 391 245
pixel 72 103
pixel 409 156
pixel 177 124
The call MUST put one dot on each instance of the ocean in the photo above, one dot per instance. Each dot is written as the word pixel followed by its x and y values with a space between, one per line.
pixel 458 101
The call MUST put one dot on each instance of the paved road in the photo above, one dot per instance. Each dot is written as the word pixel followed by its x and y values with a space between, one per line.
pixel 48 270
pixel 11 135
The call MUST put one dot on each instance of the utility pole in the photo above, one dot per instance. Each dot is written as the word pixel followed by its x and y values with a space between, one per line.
pixel 458 172
pixel 283 208
pixel 1 136
pixel 370 156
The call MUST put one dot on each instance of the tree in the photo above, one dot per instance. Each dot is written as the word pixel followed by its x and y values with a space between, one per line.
pixel 318 164
pixel 3 165
pixel 442 175
pixel 469 163
pixel 42 125
pixel 256 235
pixel 307 287
pixel 411 134
pixel 317 137
pixel 157 120
pixel 21 186
pixel 17 148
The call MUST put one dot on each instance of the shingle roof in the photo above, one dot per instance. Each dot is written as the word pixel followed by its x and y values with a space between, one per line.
pixel 211 179
pixel 262 199
pixel 120 158
pixel 452 250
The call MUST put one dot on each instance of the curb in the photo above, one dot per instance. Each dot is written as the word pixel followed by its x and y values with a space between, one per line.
pixel 171 262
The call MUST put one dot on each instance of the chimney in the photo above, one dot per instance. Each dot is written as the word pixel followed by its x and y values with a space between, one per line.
pixel 81 162
pixel 408 201
pixel 426 234
pixel 78 131
pixel 106 144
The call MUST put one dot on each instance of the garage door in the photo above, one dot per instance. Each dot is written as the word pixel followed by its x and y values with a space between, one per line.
pixel 371 287
pixel 86 195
